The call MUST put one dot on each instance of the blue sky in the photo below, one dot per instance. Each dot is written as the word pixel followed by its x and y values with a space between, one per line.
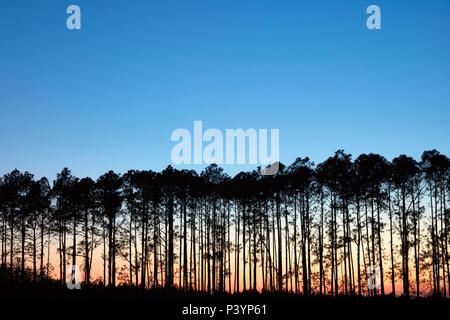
pixel 109 95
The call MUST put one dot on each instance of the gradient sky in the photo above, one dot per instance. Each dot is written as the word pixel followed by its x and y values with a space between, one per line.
pixel 109 95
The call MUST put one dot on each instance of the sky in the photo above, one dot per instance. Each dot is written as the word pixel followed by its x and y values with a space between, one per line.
pixel 108 96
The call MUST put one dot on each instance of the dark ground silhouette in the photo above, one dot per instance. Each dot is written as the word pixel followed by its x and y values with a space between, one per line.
pixel 50 299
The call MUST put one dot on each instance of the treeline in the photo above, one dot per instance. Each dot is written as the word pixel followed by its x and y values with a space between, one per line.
pixel 307 229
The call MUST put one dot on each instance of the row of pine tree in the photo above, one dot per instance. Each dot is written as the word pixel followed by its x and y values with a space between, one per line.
pixel 310 229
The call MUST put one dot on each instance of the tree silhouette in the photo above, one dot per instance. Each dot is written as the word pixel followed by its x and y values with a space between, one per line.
pixel 108 192
pixel 307 229
pixel 404 171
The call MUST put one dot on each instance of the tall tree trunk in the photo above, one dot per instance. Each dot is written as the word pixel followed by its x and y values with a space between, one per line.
pixel 87 278
pixel 169 283
pixel 74 245
pixel 391 242
pixel 280 261
pixel 380 250
pixel 41 272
